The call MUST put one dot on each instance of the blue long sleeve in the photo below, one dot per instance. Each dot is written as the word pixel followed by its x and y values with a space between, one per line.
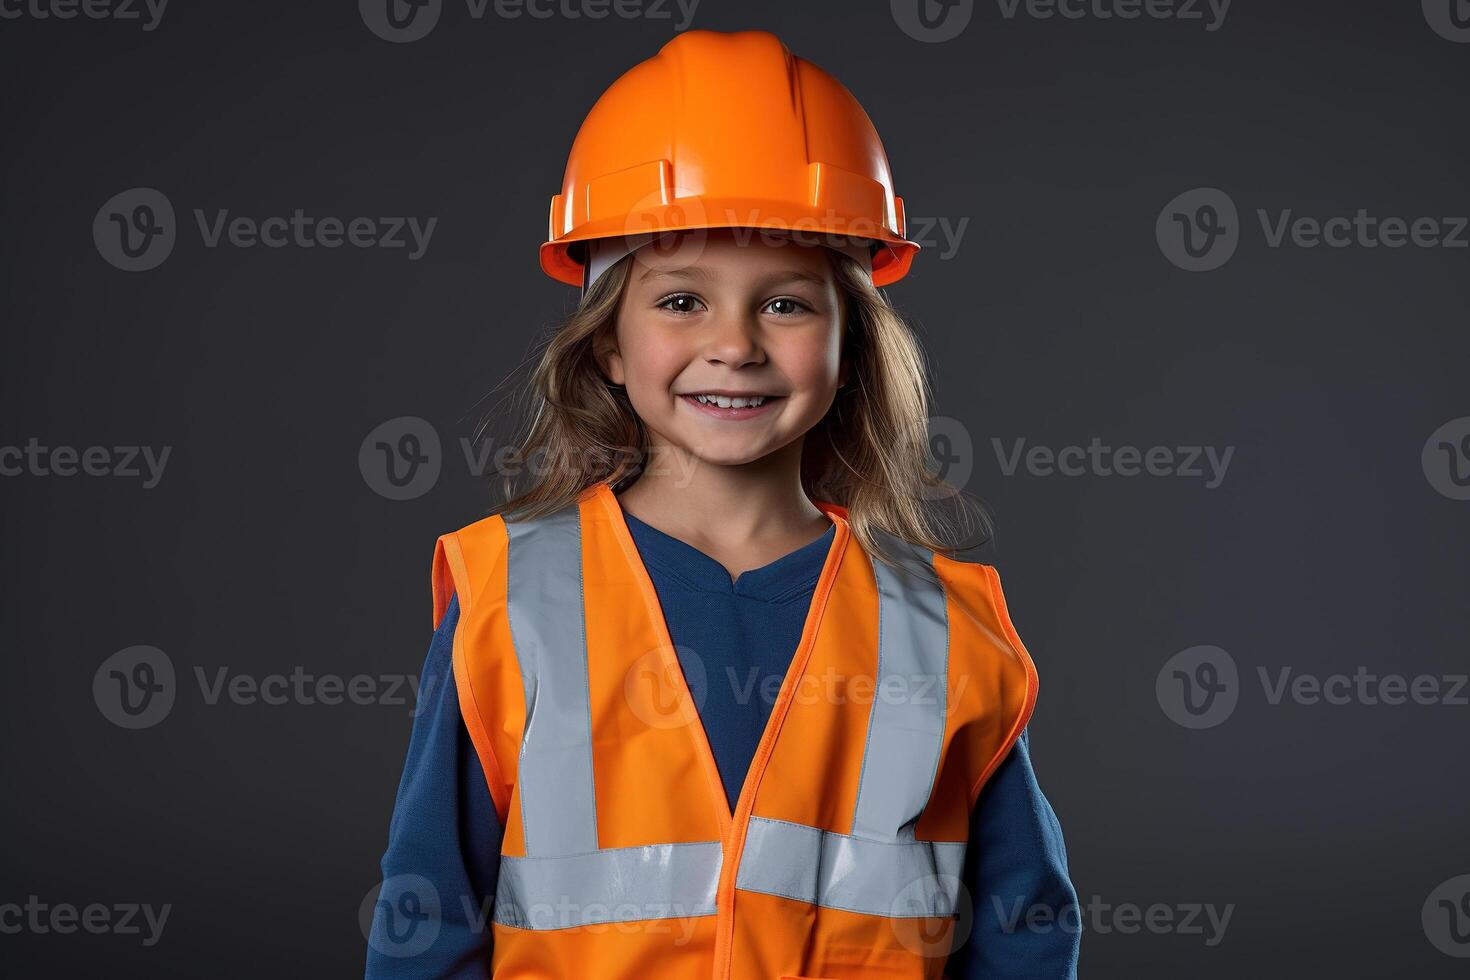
pixel 439 870
pixel 1026 922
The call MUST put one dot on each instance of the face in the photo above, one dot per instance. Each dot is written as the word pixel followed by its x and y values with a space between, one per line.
pixel 729 351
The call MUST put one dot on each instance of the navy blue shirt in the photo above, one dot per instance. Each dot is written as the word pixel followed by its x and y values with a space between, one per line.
pixel 734 641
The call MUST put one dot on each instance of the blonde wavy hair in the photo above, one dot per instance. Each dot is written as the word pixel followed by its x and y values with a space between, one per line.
pixel 869 453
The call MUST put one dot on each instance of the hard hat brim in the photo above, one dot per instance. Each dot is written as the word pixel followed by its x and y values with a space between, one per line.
pixel 890 263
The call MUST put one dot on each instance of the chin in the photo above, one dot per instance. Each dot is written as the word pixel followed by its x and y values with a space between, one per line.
pixel 725 455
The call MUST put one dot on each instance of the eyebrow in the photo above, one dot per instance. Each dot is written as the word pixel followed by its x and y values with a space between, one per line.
pixel 695 272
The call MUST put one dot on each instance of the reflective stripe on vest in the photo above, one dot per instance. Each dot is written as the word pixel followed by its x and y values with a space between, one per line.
pixel 617 884
pixel 566 880
pixel 839 871
pixel 905 735
pixel 548 627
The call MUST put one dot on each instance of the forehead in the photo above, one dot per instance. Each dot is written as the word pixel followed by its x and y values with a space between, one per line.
pixel 732 252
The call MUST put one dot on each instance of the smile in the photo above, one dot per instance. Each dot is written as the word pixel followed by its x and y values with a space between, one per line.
pixel 731 406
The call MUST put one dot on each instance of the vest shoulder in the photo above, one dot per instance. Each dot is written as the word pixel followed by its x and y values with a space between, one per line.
pixel 486 530
pixel 970 580
pixel 975 591
pixel 477 545
pixel 463 560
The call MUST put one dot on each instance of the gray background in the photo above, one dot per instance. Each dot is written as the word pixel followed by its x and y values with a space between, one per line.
pixel 263 548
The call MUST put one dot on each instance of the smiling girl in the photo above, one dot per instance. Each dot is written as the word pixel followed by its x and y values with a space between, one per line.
pixel 713 696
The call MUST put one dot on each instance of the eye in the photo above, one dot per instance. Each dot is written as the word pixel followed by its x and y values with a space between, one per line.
pixel 679 303
pixel 789 306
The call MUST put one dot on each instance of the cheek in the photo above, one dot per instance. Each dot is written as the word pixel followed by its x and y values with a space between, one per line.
pixel 652 360
pixel 812 362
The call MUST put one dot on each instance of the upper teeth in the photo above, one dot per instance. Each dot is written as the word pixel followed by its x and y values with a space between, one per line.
pixel 725 401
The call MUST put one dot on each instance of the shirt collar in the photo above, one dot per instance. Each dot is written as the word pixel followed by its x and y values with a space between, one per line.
pixel 795 571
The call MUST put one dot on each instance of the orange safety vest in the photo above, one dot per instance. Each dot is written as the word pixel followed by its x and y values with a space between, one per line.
pixel 620 859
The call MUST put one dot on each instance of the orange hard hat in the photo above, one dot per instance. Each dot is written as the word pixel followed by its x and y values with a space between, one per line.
pixel 727 130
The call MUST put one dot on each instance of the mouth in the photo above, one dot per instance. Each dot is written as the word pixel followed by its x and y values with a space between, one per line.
pixel 727 406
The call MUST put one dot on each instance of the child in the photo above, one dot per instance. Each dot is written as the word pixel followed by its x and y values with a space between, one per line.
pixel 708 700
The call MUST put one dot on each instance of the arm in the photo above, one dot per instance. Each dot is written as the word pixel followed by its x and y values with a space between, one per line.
pixel 1026 919
pixel 431 919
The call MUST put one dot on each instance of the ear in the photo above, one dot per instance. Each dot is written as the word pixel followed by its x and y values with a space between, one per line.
pixel 610 360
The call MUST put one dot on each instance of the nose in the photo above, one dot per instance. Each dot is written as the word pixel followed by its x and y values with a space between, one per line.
pixel 733 340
